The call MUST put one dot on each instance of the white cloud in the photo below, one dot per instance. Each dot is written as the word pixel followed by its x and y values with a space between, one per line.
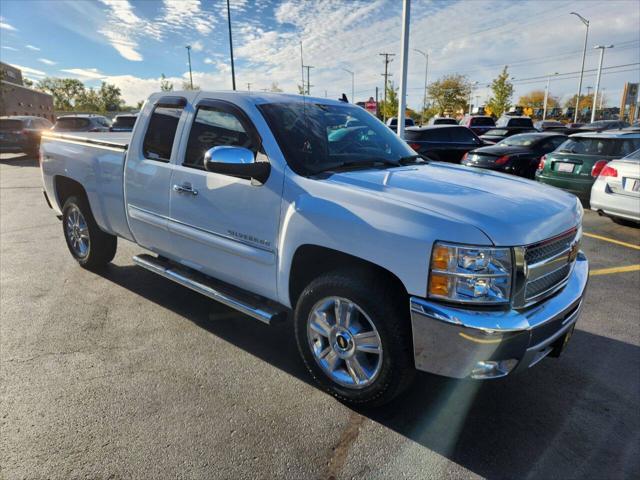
pixel 46 61
pixel 7 26
pixel 123 28
pixel 85 73
pixel 186 15
pixel 31 71
pixel 32 47
pixel 5 47
pixel 197 46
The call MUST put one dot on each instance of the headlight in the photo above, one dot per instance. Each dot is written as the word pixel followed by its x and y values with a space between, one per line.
pixel 470 274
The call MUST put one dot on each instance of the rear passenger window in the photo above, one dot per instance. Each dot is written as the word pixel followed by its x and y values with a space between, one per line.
pixel 158 141
pixel 214 127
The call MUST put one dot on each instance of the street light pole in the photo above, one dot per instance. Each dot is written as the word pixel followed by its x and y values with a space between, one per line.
pixel 584 54
pixel 426 71
pixel 233 70
pixel 595 93
pixel 546 97
pixel 188 47
pixel 475 84
pixel 404 60
pixel 353 83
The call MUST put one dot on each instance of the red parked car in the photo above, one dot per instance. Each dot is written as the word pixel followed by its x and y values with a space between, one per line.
pixel 480 124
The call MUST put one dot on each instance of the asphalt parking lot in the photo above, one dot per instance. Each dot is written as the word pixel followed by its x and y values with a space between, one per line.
pixel 124 374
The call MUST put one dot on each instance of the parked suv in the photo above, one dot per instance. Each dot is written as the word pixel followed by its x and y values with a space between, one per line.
pixel 443 121
pixel 123 123
pixel 447 143
pixel 22 134
pixel 602 125
pixel 575 164
pixel 82 123
pixel 479 124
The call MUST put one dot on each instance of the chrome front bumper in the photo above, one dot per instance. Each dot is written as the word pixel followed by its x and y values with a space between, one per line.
pixel 458 342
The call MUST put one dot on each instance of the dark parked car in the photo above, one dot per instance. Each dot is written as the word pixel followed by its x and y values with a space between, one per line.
pixel 519 154
pixel 479 124
pixel 22 134
pixel 82 123
pixel 508 125
pixel 498 134
pixel 573 128
pixel 602 125
pixel 123 123
pixel 546 125
pixel 447 143
pixel 443 121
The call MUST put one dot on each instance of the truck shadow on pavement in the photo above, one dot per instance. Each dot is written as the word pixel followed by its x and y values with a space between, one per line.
pixel 19 161
pixel 572 417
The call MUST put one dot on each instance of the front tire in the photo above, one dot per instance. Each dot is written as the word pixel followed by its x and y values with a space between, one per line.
pixel 88 244
pixel 354 337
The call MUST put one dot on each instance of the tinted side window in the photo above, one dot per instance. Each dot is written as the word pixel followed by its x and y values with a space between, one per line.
pixel 158 141
pixel 520 122
pixel 214 127
pixel 462 135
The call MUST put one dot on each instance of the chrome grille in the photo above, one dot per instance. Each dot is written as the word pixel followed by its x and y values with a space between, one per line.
pixel 547 282
pixel 544 250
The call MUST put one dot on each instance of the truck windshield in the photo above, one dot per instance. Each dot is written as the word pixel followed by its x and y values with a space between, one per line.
pixel 316 137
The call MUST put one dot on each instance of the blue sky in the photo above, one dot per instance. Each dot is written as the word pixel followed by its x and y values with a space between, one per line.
pixel 131 43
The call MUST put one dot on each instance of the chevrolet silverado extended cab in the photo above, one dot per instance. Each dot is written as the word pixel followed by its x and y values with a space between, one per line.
pixel 285 206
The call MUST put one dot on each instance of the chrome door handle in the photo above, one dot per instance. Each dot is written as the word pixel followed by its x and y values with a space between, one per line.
pixel 185 189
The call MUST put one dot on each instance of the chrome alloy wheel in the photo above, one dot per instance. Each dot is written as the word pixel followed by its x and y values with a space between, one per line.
pixel 77 232
pixel 344 342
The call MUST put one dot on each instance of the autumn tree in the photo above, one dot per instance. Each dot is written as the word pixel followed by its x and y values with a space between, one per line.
pixel 450 93
pixel 535 99
pixel 389 108
pixel 187 86
pixel 502 91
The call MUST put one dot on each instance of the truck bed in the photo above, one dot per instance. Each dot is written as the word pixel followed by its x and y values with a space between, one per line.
pixel 106 139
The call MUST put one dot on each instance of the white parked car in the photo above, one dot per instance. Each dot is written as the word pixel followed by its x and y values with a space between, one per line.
pixel 616 191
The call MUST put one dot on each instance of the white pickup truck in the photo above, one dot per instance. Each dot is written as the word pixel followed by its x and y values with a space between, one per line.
pixel 280 205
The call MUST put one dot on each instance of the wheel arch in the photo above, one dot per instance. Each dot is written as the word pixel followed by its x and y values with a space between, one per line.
pixel 66 187
pixel 310 261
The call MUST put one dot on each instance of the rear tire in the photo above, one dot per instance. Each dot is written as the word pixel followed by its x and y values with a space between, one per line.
pixel 88 244
pixel 365 359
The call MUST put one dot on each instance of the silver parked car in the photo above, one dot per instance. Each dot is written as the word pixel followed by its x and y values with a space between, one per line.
pixel 616 191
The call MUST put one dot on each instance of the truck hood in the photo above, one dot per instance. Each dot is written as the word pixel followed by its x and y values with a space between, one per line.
pixel 509 210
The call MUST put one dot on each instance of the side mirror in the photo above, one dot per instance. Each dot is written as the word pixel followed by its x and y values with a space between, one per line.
pixel 236 162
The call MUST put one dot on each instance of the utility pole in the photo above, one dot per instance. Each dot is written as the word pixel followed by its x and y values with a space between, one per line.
pixel 353 76
pixel 308 67
pixel 302 68
pixel 386 76
pixel 546 97
pixel 377 109
pixel 404 61
pixel 188 47
pixel 595 93
pixel 475 84
pixel 248 86
pixel 426 70
pixel 584 54
pixel 233 71
pixel 601 97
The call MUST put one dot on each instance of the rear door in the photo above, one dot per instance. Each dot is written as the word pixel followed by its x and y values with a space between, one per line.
pixel 148 172
pixel 462 141
pixel 222 225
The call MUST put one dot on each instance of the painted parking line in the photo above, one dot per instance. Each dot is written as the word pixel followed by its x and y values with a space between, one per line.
pixel 608 271
pixel 612 240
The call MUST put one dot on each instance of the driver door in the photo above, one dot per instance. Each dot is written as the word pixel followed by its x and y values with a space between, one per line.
pixel 222 225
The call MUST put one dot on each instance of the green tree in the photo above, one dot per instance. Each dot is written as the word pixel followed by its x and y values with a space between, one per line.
pixel 139 105
pixel 535 99
pixel 450 93
pixel 502 91
pixel 389 108
pixel 26 82
pixel 275 87
pixel 165 85
pixel 65 91
pixel 88 101
pixel 110 97
pixel 301 90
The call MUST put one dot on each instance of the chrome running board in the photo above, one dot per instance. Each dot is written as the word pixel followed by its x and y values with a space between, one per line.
pixel 252 305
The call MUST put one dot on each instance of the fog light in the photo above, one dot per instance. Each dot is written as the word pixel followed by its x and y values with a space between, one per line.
pixel 493 368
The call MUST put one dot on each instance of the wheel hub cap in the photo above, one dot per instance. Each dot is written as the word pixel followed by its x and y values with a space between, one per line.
pixel 344 342
pixel 77 232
